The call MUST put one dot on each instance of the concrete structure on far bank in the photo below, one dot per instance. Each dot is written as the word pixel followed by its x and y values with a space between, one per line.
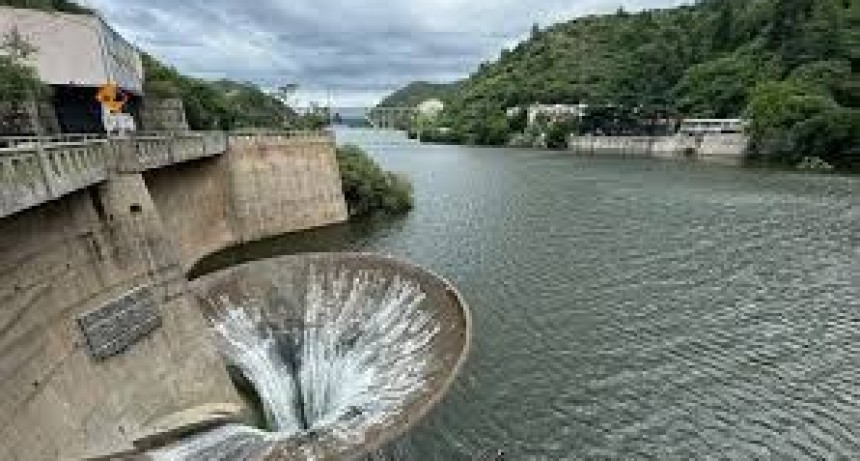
pixel 723 148
pixel 430 108
pixel 553 113
pixel 391 118
pixel 102 347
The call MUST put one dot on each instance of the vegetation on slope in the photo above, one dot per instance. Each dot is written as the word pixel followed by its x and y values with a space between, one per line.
pixel 63 6
pixel 221 104
pixel 415 93
pixel 368 188
pixel 18 81
pixel 224 104
pixel 790 65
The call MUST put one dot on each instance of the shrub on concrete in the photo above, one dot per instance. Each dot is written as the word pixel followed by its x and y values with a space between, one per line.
pixel 370 189
pixel 18 80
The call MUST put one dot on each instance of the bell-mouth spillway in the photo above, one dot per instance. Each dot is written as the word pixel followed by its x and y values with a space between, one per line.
pixel 345 352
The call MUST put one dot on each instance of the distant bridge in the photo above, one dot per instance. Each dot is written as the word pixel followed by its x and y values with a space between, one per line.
pixel 381 118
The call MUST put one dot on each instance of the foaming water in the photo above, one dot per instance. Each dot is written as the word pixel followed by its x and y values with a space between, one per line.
pixel 359 351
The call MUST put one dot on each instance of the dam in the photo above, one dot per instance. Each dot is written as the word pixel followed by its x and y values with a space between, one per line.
pixel 108 351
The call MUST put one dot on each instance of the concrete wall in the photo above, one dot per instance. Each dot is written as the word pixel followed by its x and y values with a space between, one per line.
pixel 283 184
pixel 716 148
pixel 619 145
pixel 78 253
pixel 72 256
pixel 193 200
pixel 723 148
pixel 265 186
pixel 27 117
pixel 163 115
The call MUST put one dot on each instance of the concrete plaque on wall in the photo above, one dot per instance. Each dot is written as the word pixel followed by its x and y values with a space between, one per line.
pixel 111 329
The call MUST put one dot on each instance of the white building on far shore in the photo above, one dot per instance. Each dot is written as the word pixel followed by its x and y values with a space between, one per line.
pixel 555 112
pixel 431 108
pixel 703 126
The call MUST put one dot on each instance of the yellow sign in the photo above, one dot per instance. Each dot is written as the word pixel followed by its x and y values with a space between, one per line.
pixel 111 97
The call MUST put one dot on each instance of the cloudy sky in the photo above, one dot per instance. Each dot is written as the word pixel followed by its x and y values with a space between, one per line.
pixel 357 51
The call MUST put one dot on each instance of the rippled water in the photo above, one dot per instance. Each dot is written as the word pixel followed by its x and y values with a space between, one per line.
pixel 630 308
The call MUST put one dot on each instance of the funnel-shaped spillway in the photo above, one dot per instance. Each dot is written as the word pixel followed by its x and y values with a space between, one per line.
pixel 344 352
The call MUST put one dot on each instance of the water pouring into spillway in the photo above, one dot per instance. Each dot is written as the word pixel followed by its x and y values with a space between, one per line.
pixel 343 351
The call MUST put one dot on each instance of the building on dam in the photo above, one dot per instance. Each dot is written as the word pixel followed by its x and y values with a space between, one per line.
pixel 76 55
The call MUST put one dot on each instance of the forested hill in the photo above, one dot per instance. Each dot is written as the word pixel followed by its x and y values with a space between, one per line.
pixel 704 60
pixel 417 92
pixel 221 104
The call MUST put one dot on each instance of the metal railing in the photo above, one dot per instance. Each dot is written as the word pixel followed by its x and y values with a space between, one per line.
pixel 36 169
pixel 270 135
pixel 11 142
pixel 22 181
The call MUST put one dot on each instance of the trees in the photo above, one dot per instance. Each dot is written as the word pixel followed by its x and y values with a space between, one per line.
pixel 223 104
pixel 724 25
pixel 519 121
pixel 369 189
pixel 556 135
pixel 718 88
pixel 492 130
pixel 64 6
pixel 787 61
pixel 777 109
pixel 415 93
pixel 831 78
pixel 832 135
pixel 18 81
pixel 784 103
pixel 785 32
pixel 825 75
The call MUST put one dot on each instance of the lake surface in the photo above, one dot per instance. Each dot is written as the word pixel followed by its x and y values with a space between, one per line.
pixel 630 308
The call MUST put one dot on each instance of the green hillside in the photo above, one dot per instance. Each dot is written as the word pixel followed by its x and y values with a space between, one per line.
pixel 417 92
pixel 221 104
pixel 790 64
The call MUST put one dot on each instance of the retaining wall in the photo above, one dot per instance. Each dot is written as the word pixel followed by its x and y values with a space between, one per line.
pixel 717 148
pixel 266 185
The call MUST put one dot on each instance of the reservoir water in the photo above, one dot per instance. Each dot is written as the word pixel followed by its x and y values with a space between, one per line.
pixel 628 308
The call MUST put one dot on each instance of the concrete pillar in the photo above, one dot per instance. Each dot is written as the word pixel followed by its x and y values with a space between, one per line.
pixel 94 252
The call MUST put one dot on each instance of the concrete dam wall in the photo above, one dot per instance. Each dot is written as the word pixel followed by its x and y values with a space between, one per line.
pixel 102 346
pixel 717 148
pixel 263 187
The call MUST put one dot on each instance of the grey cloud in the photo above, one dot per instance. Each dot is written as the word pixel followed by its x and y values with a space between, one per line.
pixel 356 49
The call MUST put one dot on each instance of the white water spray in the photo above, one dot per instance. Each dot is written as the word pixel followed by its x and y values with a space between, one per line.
pixel 360 351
